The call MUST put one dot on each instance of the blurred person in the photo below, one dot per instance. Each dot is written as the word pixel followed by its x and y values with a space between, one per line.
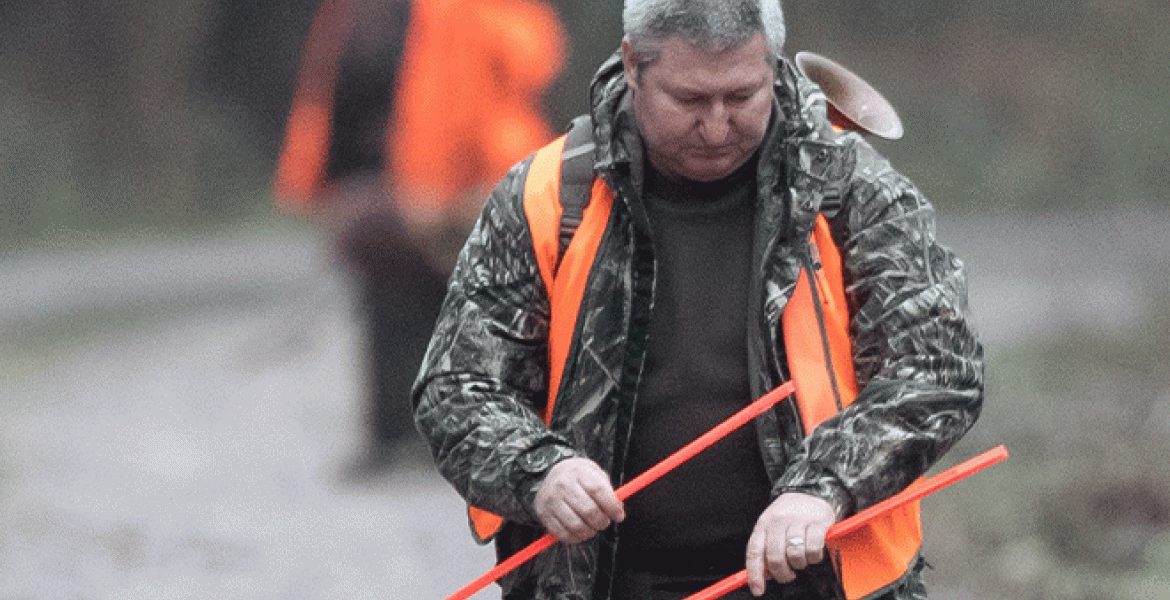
pixel 731 240
pixel 404 114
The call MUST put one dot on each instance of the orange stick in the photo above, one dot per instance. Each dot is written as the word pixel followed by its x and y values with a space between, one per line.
pixel 915 491
pixel 636 484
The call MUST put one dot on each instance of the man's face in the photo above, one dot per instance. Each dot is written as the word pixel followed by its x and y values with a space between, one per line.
pixel 702 113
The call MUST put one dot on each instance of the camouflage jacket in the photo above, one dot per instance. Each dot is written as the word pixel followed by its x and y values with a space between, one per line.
pixel 483 383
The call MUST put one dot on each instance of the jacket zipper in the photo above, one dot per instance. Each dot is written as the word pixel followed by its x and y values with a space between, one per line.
pixel 816 284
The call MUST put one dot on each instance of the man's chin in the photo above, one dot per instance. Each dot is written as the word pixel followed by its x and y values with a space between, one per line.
pixel 707 171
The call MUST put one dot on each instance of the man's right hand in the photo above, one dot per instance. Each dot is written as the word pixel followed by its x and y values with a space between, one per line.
pixel 576 500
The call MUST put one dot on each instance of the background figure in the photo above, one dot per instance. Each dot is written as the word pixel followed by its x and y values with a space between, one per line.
pixel 405 112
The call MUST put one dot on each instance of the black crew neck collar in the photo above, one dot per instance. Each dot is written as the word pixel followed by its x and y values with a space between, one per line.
pixel 682 191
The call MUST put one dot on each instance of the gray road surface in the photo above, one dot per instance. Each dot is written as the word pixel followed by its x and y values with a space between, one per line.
pixel 198 452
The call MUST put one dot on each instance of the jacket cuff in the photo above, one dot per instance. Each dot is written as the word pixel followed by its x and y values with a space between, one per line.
pixel 804 479
pixel 529 472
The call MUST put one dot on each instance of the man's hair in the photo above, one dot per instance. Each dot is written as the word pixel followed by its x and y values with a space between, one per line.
pixel 709 24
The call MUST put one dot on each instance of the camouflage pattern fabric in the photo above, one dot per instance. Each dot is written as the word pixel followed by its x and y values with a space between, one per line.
pixel 483 383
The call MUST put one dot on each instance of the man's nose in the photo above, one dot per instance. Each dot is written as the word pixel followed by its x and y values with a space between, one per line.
pixel 715 124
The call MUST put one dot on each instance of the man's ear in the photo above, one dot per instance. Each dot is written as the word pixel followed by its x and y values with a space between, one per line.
pixel 629 64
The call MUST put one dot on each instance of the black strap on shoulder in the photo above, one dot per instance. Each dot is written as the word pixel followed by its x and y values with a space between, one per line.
pixel 576 179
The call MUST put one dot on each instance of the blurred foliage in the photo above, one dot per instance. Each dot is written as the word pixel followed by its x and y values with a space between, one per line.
pixel 1081 511
pixel 131 113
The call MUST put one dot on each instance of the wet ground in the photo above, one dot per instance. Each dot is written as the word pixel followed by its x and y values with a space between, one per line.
pixel 178 416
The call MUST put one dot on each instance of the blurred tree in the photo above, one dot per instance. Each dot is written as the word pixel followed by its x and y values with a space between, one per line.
pixel 122 112
pixel 595 31
pixel 248 59
pixel 117 71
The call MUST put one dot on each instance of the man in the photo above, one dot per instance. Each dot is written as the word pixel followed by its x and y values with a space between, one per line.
pixel 385 149
pixel 719 159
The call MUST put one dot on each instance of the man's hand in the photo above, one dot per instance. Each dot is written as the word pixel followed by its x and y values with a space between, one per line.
pixel 788 537
pixel 576 500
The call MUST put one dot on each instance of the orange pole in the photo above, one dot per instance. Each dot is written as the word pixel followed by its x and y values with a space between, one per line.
pixel 915 491
pixel 636 484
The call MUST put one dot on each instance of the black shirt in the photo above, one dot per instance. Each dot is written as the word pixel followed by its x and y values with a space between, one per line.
pixel 700 515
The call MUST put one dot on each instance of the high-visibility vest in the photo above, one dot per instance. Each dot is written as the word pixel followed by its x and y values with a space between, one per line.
pixel 466 106
pixel 816 338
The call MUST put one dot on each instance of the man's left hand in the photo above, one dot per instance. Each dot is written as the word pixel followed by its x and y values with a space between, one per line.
pixel 788 537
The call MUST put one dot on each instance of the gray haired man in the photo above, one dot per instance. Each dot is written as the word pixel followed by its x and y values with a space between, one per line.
pixel 720 159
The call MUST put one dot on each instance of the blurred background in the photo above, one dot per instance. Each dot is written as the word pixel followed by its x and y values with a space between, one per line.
pixel 180 380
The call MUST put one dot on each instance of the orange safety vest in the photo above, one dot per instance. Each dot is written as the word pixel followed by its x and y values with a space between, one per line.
pixel 819 351
pixel 466 108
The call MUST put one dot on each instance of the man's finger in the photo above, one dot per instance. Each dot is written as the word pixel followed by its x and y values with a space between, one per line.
pixel 757 576
pixel 603 496
pixel 776 558
pixel 552 524
pixel 588 510
pixel 796 548
pixel 814 540
pixel 576 529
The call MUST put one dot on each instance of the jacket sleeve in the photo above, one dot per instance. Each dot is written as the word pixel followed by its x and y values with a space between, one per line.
pixel 484 379
pixel 919 364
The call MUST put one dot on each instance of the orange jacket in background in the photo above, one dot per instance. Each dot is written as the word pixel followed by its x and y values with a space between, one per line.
pixel 467 107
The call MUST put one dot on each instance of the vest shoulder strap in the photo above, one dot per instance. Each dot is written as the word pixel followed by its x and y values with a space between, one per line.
pixel 576 180
pixel 558 191
pixel 568 209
